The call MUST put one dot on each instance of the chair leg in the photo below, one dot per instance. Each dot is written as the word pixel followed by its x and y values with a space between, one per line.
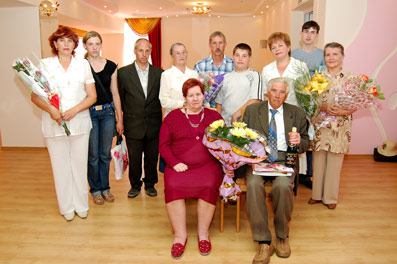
pixel 243 198
pixel 238 216
pixel 221 217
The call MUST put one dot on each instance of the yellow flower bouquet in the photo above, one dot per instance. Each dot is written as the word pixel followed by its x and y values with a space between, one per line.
pixel 234 147
pixel 307 91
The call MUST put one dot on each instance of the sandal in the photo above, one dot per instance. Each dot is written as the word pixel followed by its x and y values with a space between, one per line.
pixel 99 200
pixel 108 197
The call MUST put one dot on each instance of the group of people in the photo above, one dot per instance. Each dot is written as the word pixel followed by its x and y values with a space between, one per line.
pixel 98 101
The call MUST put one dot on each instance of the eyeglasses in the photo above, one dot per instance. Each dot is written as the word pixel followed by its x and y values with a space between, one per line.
pixel 183 53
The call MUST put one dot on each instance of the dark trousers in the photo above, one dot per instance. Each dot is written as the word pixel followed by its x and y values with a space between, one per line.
pixel 150 148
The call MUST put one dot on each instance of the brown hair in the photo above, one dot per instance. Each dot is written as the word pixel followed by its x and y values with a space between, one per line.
pixel 277 36
pixel 189 83
pixel 217 34
pixel 63 32
pixel 335 45
pixel 243 46
pixel 87 36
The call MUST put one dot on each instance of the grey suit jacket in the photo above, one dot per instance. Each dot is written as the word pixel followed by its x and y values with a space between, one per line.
pixel 141 115
pixel 256 116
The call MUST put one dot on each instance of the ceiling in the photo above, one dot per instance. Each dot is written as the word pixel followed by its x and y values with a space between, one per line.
pixel 178 8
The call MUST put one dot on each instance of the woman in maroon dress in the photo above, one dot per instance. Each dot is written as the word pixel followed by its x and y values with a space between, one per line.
pixel 191 171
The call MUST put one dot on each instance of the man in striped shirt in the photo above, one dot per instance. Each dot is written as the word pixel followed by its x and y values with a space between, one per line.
pixel 217 62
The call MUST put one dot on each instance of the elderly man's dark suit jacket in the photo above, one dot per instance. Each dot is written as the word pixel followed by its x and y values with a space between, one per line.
pixel 256 116
pixel 141 115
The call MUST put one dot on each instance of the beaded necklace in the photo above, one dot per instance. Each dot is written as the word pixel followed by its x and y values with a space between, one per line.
pixel 202 117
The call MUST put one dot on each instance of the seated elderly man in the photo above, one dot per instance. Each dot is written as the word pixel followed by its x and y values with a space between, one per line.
pixel 279 117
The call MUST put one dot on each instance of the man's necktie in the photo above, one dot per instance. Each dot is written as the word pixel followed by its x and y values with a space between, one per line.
pixel 273 137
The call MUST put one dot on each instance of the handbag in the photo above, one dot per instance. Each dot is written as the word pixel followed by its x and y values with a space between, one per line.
pixel 120 157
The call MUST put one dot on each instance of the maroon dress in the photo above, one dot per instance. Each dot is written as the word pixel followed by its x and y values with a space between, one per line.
pixel 180 142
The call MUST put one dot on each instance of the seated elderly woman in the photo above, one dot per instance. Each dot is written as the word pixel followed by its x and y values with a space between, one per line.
pixel 191 171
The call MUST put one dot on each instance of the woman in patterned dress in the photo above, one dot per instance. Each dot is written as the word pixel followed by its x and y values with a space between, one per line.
pixel 331 141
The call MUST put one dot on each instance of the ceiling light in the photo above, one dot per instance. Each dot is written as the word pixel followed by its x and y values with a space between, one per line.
pixel 267 6
pixel 200 9
pixel 161 8
pixel 48 8
pixel 105 6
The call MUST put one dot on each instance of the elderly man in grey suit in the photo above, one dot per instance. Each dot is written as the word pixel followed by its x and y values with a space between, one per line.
pixel 139 86
pixel 259 116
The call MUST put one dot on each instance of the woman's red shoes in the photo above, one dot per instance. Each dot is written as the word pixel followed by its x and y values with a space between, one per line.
pixel 204 247
pixel 177 250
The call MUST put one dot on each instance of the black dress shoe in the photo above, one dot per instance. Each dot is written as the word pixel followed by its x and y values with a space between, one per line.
pixel 134 192
pixel 303 179
pixel 151 191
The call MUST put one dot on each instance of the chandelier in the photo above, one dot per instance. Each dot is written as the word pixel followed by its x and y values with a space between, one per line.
pixel 48 8
pixel 200 9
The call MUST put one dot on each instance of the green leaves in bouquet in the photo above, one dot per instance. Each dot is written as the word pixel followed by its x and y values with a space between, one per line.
pixel 20 67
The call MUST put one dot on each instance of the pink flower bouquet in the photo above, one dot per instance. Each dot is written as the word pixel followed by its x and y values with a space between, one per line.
pixel 234 147
pixel 357 92
pixel 39 82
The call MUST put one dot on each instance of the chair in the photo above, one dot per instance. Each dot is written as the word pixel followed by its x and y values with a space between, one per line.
pixel 240 205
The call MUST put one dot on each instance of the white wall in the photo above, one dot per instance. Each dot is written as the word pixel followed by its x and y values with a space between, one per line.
pixel 196 31
pixel 20 120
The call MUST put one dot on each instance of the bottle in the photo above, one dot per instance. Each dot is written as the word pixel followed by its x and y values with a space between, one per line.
pixel 292 153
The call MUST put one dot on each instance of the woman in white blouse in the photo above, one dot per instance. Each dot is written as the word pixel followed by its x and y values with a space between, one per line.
pixel 283 65
pixel 77 93
pixel 172 79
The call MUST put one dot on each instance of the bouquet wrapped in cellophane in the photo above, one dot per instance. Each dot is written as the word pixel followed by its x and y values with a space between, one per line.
pixel 307 91
pixel 234 147
pixel 357 92
pixel 212 85
pixel 39 82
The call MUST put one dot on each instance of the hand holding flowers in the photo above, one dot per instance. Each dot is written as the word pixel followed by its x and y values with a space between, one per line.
pixel 212 85
pixel 357 92
pixel 40 83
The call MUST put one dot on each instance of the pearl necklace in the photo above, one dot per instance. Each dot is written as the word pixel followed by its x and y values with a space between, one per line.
pixel 202 117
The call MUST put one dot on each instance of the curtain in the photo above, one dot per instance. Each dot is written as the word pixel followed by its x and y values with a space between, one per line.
pixel 155 39
pixel 151 27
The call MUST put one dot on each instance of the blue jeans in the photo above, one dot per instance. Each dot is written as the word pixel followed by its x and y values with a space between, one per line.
pixel 99 157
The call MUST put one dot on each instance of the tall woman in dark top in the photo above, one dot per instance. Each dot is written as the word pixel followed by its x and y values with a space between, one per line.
pixel 103 118
pixel 191 171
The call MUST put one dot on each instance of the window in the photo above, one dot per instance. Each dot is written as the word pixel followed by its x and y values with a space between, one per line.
pixel 130 37
pixel 80 50
pixel 308 16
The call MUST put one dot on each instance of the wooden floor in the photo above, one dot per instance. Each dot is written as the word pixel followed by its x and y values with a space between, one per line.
pixel 362 229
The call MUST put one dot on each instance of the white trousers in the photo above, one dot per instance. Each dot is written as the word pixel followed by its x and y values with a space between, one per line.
pixel 69 159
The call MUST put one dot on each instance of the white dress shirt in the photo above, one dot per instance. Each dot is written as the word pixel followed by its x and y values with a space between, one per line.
pixel 71 90
pixel 143 77
pixel 292 72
